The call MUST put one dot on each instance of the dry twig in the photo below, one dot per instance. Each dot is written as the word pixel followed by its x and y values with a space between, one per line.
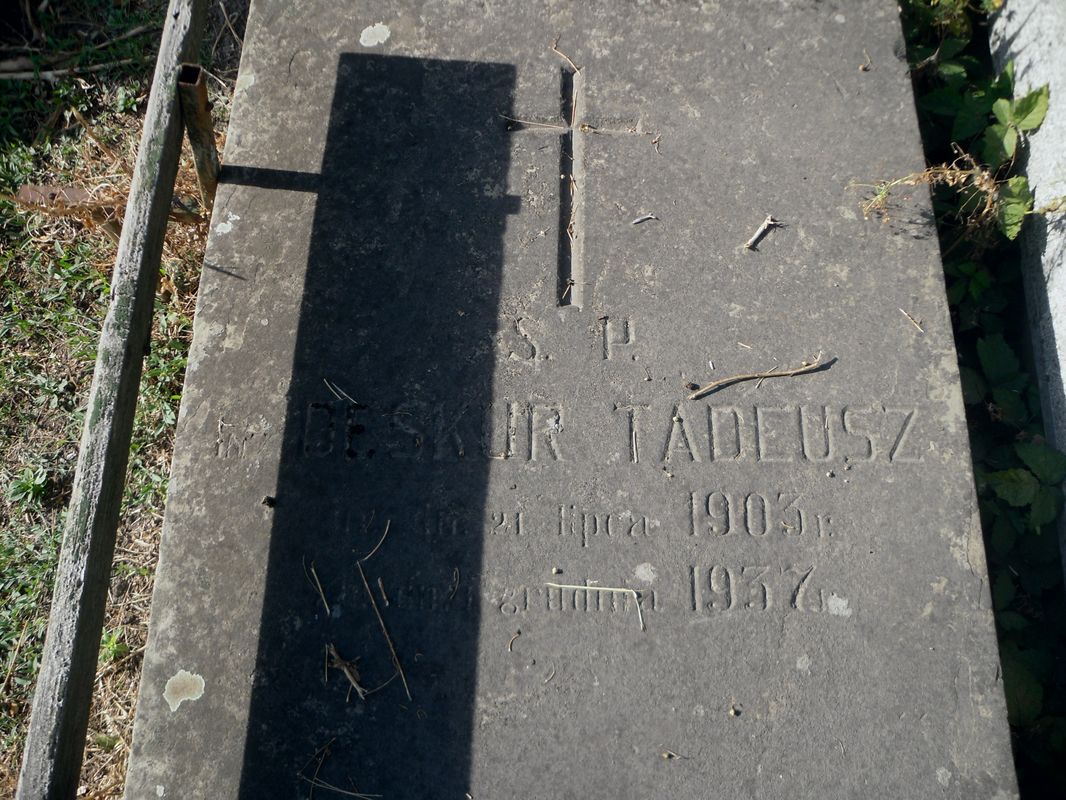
pixel 914 322
pixel 754 376
pixel 384 630
pixel 564 56
pixel 312 577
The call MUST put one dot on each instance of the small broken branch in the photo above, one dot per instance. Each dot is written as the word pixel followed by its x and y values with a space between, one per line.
pixel 913 321
pixel 758 376
pixel 56 74
pixel 349 668
pixel 768 225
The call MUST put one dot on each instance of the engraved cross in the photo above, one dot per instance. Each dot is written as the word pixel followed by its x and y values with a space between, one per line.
pixel 570 286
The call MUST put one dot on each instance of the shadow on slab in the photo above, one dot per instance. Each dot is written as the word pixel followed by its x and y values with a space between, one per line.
pixel 392 374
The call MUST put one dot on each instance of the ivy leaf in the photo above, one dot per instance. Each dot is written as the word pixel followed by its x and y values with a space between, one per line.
pixel 1045 507
pixel 1017 487
pixel 1014 202
pixel 1047 463
pixel 998 361
pixel 1029 112
pixel 999 143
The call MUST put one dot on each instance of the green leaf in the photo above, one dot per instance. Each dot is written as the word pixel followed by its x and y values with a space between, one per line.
pixel 957 291
pixel 951 70
pixel 1011 406
pixel 1016 190
pixel 1045 507
pixel 1017 487
pixel 1047 463
pixel 1029 112
pixel 979 282
pixel 972 116
pixel 998 361
pixel 1011 217
pixel 1001 108
pixel 951 47
pixel 945 101
pixel 1004 84
pixel 1003 591
pixel 998 144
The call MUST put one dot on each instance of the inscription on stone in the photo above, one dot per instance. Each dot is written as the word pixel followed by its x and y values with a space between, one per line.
pixel 505 556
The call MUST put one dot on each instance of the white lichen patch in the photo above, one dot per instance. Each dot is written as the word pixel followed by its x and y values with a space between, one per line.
pixel 645 573
pixel 159 790
pixel 374 35
pixel 943 776
pixel 227 226
pixel 838 606
pixel 183 686
pixel 244 80
pixel 803 663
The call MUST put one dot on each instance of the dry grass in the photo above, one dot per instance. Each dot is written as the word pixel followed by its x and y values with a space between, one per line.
pixel 44 379
pixel 978 184
pixel 114 699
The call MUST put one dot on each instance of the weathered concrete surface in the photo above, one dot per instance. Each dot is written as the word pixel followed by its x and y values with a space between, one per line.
pixel 387 339
pixel 1031 33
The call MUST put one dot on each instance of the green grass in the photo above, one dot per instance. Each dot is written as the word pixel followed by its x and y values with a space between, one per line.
pixel 52 302
pixel 54 284
pixel 49 300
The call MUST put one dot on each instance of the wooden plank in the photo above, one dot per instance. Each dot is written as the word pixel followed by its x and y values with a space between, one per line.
pixel 55 742
pixel 196 113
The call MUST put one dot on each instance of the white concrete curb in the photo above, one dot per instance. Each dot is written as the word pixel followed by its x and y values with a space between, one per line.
pixel 1032 33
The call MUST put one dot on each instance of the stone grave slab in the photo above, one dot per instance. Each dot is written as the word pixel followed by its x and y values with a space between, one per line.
pixel 444 521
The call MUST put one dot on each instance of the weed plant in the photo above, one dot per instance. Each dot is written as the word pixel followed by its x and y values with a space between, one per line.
pixel 71 124
pixel 975 134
